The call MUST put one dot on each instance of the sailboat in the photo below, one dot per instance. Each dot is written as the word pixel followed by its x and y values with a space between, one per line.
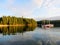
pixel 47 26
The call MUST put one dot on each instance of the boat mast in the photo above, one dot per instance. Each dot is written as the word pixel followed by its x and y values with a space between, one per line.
pixel 43 22
pixel 49 21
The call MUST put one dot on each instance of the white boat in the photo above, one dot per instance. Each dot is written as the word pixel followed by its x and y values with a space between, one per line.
pixel 47 26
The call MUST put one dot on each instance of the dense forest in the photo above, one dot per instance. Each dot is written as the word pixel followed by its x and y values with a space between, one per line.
pixel 8 20
pixel 55 22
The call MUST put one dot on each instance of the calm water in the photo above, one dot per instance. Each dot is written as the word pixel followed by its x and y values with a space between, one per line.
pixel 29 36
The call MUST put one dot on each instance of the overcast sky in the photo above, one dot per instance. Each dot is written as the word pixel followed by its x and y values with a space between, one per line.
pixel 30 8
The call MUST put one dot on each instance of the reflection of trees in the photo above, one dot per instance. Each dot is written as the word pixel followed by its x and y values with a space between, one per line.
pixel 15 29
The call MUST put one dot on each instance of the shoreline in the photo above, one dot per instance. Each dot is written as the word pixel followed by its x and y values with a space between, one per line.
pixel 16 25
pixel 10 25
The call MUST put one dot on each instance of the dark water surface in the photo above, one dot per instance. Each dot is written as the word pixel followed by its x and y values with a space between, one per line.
pixel 29 36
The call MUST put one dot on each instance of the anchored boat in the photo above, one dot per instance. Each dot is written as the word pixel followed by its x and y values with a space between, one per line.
pixel 47 26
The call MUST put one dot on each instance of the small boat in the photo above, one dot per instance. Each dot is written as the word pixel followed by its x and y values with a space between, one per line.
pixel 47 26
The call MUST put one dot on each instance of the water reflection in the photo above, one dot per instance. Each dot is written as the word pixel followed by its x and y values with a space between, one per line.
pixel 29 36
pixel 12 30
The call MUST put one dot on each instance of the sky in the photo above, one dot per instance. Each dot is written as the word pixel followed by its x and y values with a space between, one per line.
pixel 30 8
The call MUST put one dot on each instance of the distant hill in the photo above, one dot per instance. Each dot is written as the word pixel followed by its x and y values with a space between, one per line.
pixel 54 18
pixel 50 18
pixel 39 19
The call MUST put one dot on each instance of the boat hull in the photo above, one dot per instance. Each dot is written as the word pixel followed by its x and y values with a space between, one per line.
pixel 48 26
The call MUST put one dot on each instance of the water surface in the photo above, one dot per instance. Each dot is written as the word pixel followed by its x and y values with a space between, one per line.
pixel 29 36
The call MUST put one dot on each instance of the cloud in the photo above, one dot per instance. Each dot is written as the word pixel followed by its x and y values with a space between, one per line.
pixel 19 10
pixel 28 12
pixel 51 3
pixel 52 8
pixel 54 12
pixel 38 3
pixel 47 3
pixel 49 8
pixel 15 9
pixel 10 1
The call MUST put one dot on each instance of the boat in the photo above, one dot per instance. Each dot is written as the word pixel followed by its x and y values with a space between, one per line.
pixel 47 26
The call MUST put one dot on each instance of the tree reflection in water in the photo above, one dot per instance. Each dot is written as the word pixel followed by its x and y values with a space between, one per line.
pixel 12 30
pixel 31 38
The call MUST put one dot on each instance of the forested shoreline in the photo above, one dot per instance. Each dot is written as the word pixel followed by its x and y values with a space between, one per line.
pixel 56 23
pixel 16 21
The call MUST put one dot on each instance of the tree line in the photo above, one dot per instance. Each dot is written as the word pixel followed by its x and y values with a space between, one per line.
pixel 8 20
pixel 56 23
